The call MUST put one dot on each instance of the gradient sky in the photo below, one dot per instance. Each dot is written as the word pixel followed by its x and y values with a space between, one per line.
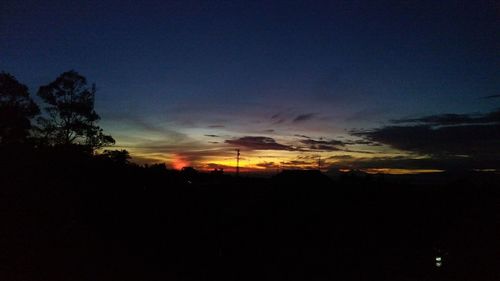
pixel 187 82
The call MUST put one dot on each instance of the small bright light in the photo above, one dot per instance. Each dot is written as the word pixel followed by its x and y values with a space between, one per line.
pixel 438 258
pixel 439 264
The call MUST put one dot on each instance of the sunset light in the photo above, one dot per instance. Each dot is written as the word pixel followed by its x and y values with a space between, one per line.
pixel 237 140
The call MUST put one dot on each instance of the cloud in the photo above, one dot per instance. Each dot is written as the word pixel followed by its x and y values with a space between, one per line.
pixel 212 136
pixel 301 164
pixel 358 151
pixel 304 117
pixel 454 119
pixel 216 126
pixel 259 143
pixel 323 145
pixel 267 165
pixel 362 142
pixel 333 145
pixel 405 162
pixel 450 140
pixel 211 166
pixel 302 136
pixel 458 138
pixel 340 157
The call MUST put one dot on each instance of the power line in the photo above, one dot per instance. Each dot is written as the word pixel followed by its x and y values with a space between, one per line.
pixel 237 162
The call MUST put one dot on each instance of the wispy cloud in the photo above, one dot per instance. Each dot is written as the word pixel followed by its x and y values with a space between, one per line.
pixel 340 157
pixel 259 143
pixel 322 145
pixel 302 136
pixel 304 117
pixel 453 119
pixel 267 165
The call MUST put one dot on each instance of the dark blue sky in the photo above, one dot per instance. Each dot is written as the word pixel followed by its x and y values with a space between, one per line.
pixel 179 70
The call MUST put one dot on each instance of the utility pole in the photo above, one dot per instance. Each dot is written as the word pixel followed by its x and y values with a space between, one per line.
pixel 237 162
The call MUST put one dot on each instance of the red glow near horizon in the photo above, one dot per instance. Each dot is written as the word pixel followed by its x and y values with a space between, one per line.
pixel 178 162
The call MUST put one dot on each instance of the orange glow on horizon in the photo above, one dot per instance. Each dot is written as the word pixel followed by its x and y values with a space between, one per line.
pixel 260 161
pixel 178 162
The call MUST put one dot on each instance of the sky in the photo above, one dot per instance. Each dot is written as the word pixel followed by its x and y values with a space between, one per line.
pixel 392 86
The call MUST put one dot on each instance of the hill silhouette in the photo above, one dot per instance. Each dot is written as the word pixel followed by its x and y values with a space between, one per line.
pixel 68 215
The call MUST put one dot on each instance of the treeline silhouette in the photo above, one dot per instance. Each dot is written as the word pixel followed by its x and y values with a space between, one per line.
pixel 70 213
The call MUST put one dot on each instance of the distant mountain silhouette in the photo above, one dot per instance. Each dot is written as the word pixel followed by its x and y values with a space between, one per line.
pixel 302 177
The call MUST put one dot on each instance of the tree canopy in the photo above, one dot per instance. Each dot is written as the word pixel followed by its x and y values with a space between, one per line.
pixel 71 118
pixel 16 110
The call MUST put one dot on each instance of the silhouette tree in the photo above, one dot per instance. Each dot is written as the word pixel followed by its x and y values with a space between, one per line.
pixel 71 116
pixel 120 157
pixel 16 110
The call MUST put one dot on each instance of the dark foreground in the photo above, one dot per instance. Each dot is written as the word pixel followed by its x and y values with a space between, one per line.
pixel 67 219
